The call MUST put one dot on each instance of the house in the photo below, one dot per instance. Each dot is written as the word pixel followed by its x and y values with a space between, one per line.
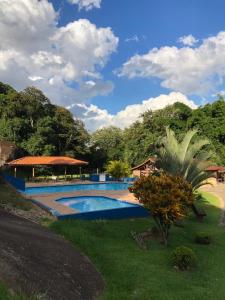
pixel 145 168
pixel 218 172
pixel 7 150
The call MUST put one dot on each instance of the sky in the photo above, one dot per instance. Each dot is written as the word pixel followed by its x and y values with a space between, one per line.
pixel 108 61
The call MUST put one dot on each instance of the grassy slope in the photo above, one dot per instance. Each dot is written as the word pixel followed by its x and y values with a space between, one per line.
pixel 10 198
pixel 131 273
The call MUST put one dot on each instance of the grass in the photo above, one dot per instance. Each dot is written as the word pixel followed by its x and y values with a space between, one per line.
pixel 6 294
pixel 134 274
pixel 10 198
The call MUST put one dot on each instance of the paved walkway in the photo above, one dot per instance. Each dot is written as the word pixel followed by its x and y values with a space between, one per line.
pixel 218 191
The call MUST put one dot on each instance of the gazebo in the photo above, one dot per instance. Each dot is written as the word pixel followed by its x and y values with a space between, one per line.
pixel 35 161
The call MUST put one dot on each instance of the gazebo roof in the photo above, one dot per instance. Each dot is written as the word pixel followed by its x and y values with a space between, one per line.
pixel 46 160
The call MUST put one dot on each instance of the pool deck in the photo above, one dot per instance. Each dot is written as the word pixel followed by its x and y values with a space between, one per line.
pixel 49 199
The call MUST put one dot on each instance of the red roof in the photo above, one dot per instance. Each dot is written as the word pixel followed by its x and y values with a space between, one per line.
pixel 215 169
pixel 151 160
pixel 46 160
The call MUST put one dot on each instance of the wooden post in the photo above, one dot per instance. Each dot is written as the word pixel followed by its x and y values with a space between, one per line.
pixel 80 172
pixel 33 172
pixel 15 172
pixel 65 172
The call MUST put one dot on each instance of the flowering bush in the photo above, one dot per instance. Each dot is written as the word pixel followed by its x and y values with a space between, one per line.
pixel 166 197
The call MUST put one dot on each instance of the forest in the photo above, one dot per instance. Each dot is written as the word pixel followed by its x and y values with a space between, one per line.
pixel 37 127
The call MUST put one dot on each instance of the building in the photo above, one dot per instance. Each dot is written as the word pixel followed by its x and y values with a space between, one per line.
pixel 145 168
pixel 218 172
pixel 7 150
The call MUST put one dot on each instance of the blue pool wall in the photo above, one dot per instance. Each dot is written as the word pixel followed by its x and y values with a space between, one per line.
pixel 135 211
pixel 109 214
pixel 95 178
pixel 17 183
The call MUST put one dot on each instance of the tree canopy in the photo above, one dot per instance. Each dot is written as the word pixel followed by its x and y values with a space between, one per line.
pixel 38 127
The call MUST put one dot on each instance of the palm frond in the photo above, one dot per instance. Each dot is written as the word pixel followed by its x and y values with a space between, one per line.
pixel 186 159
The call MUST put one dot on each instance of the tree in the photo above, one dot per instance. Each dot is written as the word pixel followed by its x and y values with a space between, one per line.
pixel 166 197
pixel 118 169
pixel 107 144
pixel 38 127
pixel 185 159
pixel 72 137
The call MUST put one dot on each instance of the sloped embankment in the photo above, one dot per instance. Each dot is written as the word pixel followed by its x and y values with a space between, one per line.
pixel 36 261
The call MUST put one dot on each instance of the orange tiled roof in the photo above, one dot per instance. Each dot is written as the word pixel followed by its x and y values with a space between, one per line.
pixel 46 160
pixel 215 169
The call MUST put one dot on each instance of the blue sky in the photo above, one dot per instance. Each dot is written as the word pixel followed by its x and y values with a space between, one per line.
pixel 156 24
pixel 188 60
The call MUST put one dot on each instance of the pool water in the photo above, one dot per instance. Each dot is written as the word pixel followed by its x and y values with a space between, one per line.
pixel 94 203
pixel 76 187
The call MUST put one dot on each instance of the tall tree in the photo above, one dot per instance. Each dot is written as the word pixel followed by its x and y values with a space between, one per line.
pixel 107 144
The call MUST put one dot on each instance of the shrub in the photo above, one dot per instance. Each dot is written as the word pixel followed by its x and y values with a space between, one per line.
pixel 166 197
pixel 184 258
pixel 118 169
pixel 203 238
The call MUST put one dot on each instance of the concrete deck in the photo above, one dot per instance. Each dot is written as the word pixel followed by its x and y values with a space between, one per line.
pixel 49 199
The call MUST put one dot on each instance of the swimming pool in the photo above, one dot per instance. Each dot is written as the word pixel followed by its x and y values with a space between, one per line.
pixel 76 187
pixel 93 203
pixel 98 207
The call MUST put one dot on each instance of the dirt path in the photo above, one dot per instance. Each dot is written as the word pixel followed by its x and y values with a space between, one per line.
pixel 218 191
pixel 36 261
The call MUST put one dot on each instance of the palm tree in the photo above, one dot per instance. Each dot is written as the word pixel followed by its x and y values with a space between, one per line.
pixel 186 158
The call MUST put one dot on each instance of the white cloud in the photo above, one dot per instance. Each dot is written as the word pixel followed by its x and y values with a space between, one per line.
pixel 58 60
pixel 95 117
pixel 86 4
pixel 188 40
pixel 188 70
pixel 134 38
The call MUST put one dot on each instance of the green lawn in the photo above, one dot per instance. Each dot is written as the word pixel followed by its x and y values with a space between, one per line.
pixel 132 273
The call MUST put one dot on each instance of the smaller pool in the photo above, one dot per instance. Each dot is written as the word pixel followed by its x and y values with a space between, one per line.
pixel 94 203
pixel 98 207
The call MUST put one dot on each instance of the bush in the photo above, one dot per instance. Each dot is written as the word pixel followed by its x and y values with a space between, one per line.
pixel 166 197
pixel 184 258
pixel 203 238
pixel 118 169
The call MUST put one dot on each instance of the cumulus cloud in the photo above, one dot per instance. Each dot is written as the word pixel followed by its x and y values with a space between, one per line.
pixel 59 60
pixel 86 4
pixel 188 40
pixel 95 118
pixel 198 70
